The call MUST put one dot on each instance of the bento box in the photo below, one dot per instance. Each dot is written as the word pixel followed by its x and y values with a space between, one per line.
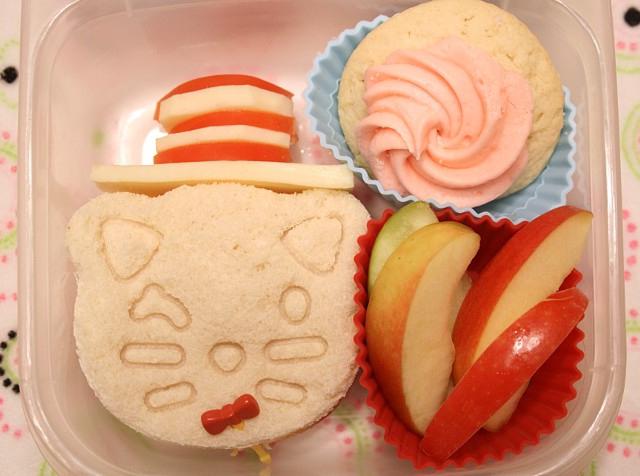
pixel 92 70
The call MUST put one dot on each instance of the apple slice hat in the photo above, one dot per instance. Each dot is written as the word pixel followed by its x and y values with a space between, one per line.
pixel 225 117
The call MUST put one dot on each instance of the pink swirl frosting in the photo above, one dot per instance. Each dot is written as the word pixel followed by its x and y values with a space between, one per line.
pixel 446 123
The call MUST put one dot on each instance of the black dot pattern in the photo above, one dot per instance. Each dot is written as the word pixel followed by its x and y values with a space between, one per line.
pixel 6 381
pixel 9 74
pixel 632 17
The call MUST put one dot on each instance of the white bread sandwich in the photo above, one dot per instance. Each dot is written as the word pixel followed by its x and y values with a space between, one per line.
pixel 217 315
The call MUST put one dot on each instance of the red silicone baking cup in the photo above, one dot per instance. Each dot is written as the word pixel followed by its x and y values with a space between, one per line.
pixel 545 400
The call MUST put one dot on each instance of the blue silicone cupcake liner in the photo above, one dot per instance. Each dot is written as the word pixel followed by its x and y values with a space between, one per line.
pixel 548 191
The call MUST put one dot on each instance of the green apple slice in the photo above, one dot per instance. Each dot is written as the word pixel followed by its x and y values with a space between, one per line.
pixel 398 228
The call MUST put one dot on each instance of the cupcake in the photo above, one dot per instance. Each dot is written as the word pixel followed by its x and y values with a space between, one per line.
pixel 452 102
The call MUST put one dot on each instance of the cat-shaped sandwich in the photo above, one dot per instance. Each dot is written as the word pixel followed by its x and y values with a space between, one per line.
pixel 217 300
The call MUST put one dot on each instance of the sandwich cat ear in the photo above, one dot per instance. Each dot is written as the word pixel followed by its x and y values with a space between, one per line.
pixel 315 243
pixel 128 246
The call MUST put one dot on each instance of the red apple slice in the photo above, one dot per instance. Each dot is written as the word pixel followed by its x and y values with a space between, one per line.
pixel 508 363
pixel 265 120
pixel 221 93
pixel 213 81
pixel 529 267
pixel 408 324
pixel 223 151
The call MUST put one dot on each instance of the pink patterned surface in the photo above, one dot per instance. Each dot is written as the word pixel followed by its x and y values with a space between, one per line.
pixel 621 453
pixel 18 453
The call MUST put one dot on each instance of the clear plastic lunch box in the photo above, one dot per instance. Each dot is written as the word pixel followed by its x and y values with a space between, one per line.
pixel 91 72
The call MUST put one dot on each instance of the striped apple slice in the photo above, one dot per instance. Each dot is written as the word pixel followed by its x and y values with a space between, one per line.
pixel 264 120
pixel 229 92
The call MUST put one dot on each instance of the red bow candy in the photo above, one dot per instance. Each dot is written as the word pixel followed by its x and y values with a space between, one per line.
pixel 244 408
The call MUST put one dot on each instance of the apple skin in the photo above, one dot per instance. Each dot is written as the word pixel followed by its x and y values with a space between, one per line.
pixel 508 363
pixel 530 266
pixel 398 228
pixel 408 322
pixel 502 416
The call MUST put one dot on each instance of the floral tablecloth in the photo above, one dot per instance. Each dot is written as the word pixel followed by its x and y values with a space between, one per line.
pixel 620 455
